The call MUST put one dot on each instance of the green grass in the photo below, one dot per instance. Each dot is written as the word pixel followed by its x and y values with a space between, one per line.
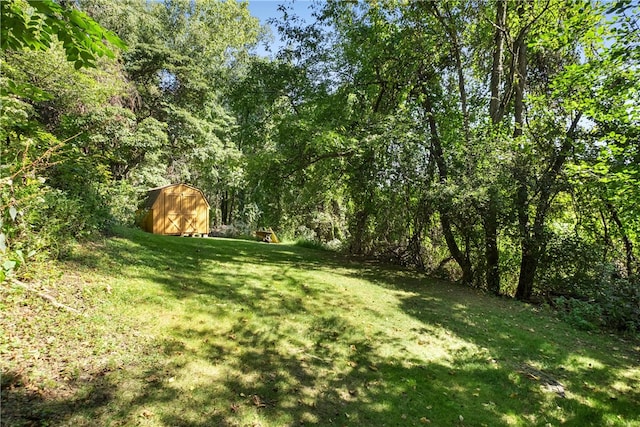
pixel 218 332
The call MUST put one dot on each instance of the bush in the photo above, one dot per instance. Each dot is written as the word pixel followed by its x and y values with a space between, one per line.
pixel 310 244
pixel 584 315
pixel 334 245
pixel 123 202
pixel 590 292
pixel 620 302
pixel 571 267
pixel 304 233
pixel 39 223
pixel 613 304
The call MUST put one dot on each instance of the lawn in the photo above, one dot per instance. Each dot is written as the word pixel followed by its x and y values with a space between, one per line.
pixel 169 331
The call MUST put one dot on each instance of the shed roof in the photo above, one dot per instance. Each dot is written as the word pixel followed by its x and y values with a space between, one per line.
pixel 154 193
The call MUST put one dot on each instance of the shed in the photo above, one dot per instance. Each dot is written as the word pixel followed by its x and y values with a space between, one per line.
pixel 175 209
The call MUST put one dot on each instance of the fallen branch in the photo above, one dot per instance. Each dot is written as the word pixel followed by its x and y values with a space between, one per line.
pixel 46 297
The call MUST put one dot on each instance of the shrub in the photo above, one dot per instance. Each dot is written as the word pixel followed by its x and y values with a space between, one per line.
pixel 571 266
pixel 334 245
pixel 612 304
pixel 620 302
pixel 123 202
pixel 39 222
pixel 310 244
pixel 584 315
pixel 304 233
pixel 589 291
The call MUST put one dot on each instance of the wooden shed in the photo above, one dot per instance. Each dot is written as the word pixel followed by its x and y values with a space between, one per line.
pixel 176 209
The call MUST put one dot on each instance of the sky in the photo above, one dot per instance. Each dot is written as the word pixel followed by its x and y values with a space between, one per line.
pixel 266 9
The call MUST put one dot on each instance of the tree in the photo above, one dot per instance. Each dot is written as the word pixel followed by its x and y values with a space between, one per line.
pixel 29 150
pixel 390 58
pixel 182 59
pixel 36 24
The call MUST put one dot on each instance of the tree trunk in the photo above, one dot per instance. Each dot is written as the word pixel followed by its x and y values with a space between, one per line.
pixel 226 207
pixel 528 243
pixel 357 243
pixel 230 208
pixel 457 54
pixel 224 200
pixel 532 238
pixel 520 50
pixel 491 248
pixel 462 260
pixel 490 220
pixel 528 267
pixel 628 245
pixel 497 69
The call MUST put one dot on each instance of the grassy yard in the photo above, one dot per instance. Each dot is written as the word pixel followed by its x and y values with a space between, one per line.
pixel 213 332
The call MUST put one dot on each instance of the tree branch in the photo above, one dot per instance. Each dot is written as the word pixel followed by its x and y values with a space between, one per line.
pixel 335 155
pixel 47 297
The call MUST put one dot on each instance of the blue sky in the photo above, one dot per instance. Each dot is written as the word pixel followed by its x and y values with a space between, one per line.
pixel 266 9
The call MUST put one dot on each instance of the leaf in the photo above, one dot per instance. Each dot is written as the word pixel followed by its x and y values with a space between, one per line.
pixel 79 19
pixel 9 265
pixel 146 413
pixel 87 56
pixel 13 212
pixel 257 401
pixel 3 243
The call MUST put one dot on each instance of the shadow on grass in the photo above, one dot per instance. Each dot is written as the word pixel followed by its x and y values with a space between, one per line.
pixel 25 406
pixel 262 366
pixel 540 365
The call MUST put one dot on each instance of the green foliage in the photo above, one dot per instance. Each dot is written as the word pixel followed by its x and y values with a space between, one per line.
pixel 583 315
pixel 38 86
pixel 111 136
pixel 182 57
pixel 64 218
pixel 309 243
pixel 591 293
pixel 35 25
pixel 571 266
pixel 612 303
pixel 410 148
pixel 621 304
pixel 39 222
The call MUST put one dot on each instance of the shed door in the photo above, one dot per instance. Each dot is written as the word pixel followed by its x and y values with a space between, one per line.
pixel 173 213
pixel 188 213
pixel 180 213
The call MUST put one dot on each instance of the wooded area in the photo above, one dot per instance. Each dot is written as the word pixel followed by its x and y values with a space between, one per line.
pixel 493 142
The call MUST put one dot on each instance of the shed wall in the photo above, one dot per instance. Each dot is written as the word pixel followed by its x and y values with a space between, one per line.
pixel 178 209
